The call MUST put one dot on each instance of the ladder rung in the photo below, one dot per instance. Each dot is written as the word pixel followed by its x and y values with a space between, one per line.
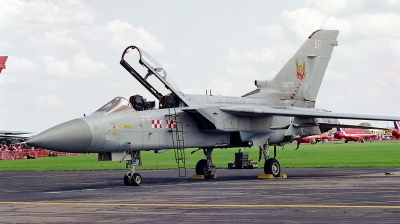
pixel 179 143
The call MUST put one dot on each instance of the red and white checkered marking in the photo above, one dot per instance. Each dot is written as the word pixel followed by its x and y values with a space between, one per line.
pixel 156 124
pixel 163 124
pixel 171 124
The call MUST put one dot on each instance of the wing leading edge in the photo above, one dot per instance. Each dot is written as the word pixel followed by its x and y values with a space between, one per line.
pixel 261 111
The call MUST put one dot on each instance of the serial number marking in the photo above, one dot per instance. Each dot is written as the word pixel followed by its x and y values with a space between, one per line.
pixel 288 84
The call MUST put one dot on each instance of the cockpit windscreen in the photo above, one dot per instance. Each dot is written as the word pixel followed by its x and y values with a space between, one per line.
pixel 115 105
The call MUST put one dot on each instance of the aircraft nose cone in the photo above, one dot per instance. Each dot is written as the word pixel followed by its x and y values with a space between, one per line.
pixel 71 136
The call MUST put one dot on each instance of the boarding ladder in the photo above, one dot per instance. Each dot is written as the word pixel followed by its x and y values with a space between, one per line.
pixel 176 129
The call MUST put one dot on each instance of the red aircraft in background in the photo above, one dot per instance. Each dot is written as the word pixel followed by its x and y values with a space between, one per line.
pixel 396 131
pixel 353 134
pixel 310 139
pixel 3 60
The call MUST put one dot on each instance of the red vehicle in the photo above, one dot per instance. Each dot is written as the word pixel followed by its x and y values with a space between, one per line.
pixel 353 134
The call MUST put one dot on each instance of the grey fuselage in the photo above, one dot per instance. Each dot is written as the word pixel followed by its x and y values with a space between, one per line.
pixel 149 130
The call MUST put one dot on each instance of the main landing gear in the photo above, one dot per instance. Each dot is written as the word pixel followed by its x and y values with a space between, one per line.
pixel 206 167
pixel 271 165
pixel 132 178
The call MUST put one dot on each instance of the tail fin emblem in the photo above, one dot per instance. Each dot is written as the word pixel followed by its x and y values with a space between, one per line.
pixel 301 70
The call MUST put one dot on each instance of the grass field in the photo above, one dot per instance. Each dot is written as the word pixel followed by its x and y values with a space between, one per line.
pixel 333 154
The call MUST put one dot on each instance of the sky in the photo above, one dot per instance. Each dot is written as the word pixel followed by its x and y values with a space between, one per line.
pixel 64 55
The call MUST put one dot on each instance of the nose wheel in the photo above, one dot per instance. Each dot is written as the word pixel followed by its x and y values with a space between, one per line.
pixel 132 179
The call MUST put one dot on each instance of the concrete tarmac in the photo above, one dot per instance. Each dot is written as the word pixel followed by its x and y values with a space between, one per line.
pixel 310 195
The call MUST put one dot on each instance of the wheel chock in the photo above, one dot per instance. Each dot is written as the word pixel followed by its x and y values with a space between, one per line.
pixel 283 176
pixel 213 176
pixel 270 176
pixel 197 177
pixel 265 176
pixel 202 177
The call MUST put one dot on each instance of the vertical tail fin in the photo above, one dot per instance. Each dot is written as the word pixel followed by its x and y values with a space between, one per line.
pixel 396 125
pixel 343 130
pixel 301 77
pixel 3 60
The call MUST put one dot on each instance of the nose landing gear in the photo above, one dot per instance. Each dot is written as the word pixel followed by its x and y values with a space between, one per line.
pixel 132 178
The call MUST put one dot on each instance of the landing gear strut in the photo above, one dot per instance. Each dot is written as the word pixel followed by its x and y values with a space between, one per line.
pixel 132 178
pixel 205 166
pixel 271 165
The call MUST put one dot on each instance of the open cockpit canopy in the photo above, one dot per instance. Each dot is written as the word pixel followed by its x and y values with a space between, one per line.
pixel 173 98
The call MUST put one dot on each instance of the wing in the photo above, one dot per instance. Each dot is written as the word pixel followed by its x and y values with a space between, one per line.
pixel 327 125
pixel 261 111
pixel 12 133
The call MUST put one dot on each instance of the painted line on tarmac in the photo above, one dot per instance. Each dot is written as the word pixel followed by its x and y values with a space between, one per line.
pixel 187 205
pixel 56 175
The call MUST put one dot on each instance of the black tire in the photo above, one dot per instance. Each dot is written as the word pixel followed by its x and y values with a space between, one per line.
pixel 273 167
pixel 127 180
pixel 136 179
pixel 201 168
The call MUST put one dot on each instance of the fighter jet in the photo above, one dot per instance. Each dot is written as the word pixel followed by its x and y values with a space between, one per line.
pixel 274 114
pixel 355 135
